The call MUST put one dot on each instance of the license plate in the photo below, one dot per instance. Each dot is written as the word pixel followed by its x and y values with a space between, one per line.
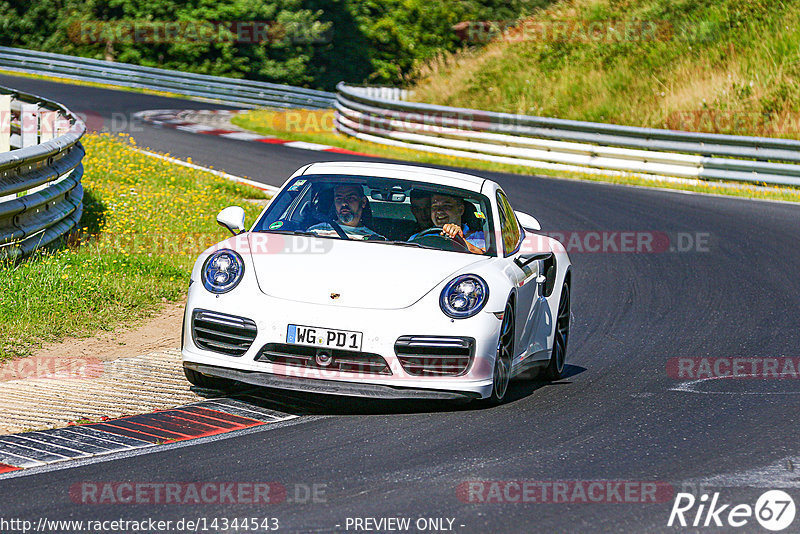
pixel 328 338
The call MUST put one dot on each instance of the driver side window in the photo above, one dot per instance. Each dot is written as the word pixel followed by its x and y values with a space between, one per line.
pixel 509 227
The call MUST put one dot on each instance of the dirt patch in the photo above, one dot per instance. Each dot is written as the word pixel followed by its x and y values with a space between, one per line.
pixel 160 332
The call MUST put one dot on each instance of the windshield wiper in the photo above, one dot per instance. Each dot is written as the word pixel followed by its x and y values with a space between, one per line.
pixel 293 232
pixel 304 233
pixel 402 243
pixel 384 242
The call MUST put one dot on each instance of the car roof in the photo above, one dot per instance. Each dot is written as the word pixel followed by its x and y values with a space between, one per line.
pixel 402 172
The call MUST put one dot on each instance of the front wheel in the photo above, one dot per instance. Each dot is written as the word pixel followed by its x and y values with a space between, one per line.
pixel 502 362
pixel 555 369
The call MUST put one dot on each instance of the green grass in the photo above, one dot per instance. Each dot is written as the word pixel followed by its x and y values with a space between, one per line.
pixel 314 127
pixel 726 66
pixel 144 222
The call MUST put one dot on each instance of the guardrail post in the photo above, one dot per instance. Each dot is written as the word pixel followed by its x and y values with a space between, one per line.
pixel 29 125
pixel 47 124
pixel 5 123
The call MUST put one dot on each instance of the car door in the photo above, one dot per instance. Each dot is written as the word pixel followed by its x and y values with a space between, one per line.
pixel 527 307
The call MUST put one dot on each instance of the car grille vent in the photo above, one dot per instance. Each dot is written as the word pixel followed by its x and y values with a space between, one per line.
pixel 342 360
pixel 434 355
pixel 219 332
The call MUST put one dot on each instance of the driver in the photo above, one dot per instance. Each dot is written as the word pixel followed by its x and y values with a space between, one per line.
pixel 446 213
pixel 349 203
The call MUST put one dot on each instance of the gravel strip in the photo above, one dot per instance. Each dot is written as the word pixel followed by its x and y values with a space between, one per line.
pixel 125 386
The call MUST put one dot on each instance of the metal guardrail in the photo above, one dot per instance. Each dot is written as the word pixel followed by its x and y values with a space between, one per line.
pixel 41 197
pixel 541 142
pixel 232 91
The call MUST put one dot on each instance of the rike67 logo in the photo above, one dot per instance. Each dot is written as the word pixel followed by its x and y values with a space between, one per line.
pixel 774 510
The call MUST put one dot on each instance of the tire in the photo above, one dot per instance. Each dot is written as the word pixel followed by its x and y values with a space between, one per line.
pixel 208 382
pixel 501 374
pixel 555 369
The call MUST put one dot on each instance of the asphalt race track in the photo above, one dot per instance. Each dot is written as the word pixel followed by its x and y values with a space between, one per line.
pixel 616 417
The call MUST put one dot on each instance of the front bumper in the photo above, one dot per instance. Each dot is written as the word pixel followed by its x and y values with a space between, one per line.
pixel 331 387
pixel 381 330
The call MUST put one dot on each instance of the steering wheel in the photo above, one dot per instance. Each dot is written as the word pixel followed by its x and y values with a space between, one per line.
pixel 434 237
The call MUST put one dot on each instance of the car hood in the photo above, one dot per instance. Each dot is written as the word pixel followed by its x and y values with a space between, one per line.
pixel 358 274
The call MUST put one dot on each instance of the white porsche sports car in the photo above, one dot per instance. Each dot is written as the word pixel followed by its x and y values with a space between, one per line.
pixel 379 280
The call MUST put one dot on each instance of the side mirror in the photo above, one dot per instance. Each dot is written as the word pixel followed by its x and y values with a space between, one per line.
pixel 232 218
pixel 527 221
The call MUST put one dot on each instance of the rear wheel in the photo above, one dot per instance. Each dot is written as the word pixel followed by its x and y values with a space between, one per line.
pixel 555 369
pixel 208 382
pixel 502 363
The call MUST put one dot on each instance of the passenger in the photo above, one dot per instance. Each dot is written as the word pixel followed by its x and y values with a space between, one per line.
pixel 350 205
pixel 421 209
pixel 447 213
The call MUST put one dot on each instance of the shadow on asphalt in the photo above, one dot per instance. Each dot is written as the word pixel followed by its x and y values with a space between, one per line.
pixel 301 403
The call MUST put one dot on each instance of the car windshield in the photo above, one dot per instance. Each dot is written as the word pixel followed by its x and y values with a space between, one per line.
pixel 382 211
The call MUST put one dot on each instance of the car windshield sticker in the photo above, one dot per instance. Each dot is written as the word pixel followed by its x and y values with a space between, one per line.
pixel 297 185
pixel 480 215
pixel 276 225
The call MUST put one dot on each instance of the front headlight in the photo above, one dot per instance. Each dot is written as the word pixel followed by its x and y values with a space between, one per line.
pixel 464 296
pixel 222 271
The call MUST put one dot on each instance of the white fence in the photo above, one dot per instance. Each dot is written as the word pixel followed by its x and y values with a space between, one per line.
pixel 557 144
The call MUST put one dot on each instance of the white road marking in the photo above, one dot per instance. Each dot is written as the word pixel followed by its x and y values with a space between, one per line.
pixel 306 146
pixel 243 136
pixel 690 386
pixel 781 474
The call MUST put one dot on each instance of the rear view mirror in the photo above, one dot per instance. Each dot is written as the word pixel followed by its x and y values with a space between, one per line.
pixel 395 194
